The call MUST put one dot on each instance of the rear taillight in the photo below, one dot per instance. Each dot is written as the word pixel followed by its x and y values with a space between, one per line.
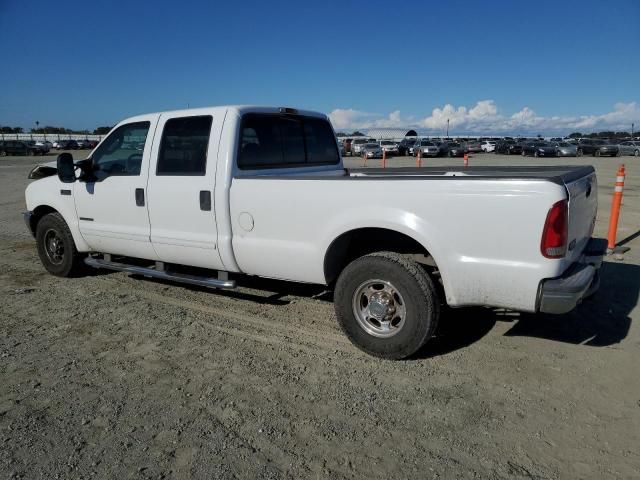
pixel 555 233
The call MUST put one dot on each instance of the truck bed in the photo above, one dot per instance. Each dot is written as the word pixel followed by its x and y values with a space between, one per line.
pixel 560 174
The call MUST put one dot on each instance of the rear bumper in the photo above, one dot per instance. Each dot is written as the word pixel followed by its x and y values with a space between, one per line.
pixel 581 280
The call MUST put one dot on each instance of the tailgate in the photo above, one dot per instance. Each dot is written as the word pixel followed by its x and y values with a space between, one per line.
pixel 583 206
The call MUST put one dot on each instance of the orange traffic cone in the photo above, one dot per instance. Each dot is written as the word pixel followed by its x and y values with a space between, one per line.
pixel 615 209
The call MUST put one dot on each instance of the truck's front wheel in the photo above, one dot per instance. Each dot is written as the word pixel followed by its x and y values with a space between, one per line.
pixel 386 304
pixel 56 248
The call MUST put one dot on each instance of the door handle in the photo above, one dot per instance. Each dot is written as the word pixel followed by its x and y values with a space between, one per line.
pixel 205 200
pixel 140 197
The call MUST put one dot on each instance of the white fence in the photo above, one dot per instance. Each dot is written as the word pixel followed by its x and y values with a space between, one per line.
pixel 52 137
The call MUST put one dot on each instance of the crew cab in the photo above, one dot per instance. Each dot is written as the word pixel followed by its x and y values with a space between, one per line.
pixel 263 191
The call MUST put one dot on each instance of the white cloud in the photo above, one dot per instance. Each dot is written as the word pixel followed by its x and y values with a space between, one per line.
pixel 350 118
pixel 485 116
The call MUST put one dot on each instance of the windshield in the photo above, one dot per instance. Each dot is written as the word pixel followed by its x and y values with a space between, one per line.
pixel 371 145
pixel 424 143
pixel 386 142
pixel 563 144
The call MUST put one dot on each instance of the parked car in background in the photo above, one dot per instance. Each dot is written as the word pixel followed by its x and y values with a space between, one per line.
pixel 391 148
pixel 564 149
pixel 35 148
pixel 426 148
pixel 608 149
pixel 66 145
pixel 411 148
pixel 509 147
pixel 357 144
pixel 341 148
pixel 488 146
pixel 45 144
pixel 83 144
pixel 372 150
pixel 472 146
pixel 538 149
pixel 19 147
pixel 405 145
pixel 452 149
pixel 347 145
pixel 629 148
pixel 588 146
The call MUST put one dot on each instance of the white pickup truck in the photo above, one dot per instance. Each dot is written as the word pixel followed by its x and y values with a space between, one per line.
pixel 263 191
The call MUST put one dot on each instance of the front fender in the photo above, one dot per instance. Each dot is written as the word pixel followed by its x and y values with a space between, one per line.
pixel 51 192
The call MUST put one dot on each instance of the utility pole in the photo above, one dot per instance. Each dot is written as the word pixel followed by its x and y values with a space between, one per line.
pixel 447 128
pixel 632 125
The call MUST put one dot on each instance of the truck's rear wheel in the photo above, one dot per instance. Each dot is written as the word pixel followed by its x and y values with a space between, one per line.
pixel 386 304
pixel 56 248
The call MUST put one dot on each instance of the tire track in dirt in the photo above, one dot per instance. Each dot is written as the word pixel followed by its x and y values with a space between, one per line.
pixel 327 341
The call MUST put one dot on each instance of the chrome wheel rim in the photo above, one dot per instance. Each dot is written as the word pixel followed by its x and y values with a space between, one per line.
pixel 379 308
pixel 54 247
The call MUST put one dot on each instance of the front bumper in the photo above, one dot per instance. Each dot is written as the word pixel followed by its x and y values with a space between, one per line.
pixel 27 219
pixel 581 280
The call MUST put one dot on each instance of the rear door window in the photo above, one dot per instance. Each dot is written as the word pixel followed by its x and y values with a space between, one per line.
pixel 276 141
pixel 183 150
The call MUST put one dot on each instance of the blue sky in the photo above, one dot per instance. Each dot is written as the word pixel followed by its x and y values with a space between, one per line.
pixel 515 65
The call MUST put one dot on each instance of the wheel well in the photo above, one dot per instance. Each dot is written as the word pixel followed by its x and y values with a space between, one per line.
pixel 356 243
pixel 37 214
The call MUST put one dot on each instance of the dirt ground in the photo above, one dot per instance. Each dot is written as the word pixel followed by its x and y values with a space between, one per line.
pixel 111 376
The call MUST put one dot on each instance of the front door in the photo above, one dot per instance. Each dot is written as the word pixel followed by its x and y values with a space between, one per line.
pixel 181 190
pixel 112 208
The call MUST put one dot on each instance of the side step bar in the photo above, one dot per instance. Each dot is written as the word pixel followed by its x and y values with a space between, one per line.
pixel 222 282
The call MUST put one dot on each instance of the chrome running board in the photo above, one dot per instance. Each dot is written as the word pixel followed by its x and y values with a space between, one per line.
pixel 221 282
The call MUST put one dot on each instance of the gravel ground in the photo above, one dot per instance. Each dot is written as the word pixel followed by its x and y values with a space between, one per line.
pixel 111 376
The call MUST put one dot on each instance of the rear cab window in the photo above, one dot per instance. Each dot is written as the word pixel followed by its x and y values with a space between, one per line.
pixel 280 141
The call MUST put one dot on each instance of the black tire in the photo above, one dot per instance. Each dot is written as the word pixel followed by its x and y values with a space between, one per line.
pixel 535 154
pixel 416 291
pixel 52 228
pixel 524 154
pixel 618 153
pixel 579 152
pixel 637 153
pixel 596 153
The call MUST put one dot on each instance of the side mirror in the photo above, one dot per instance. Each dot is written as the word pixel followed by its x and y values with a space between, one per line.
pixel 66 168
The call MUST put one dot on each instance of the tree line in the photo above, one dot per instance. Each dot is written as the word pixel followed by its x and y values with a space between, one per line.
pixel 605 134
pixel 54 130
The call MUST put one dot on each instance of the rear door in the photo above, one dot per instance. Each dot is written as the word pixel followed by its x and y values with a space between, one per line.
pixel 181 189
